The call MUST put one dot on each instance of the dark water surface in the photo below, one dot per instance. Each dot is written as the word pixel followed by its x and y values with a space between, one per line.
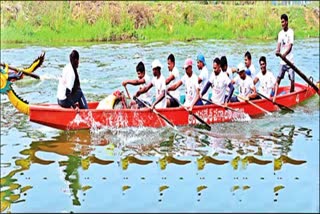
pixel 267 164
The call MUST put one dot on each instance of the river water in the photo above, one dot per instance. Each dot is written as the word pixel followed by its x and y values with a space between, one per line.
pixel 267 164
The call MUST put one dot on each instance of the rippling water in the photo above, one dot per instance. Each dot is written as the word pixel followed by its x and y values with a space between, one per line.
pixel 267 164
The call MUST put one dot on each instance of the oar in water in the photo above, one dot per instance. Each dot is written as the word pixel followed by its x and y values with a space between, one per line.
pixel 299 72
pixel 18 70
pixel 156 112
pixel 255 105
pixel 208 127
pixel 226 107
pixel 283 107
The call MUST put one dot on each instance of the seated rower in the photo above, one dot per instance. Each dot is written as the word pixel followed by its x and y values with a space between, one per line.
pixel 159 82
pixel 190 80
pixel 219 81
pixel 143 80
pixel 247 89
pixel 267 82
pixel 174 77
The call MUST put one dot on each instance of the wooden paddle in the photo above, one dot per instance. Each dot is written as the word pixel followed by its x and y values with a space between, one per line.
pixel 226 107
pixel 127 92
pixel 18 70
pixel 255 105
pixel 299 72
pixel 156 112
pixel 283 107
pixel 208 127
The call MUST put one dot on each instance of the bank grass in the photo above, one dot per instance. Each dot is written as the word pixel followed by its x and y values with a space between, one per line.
pixel 46 22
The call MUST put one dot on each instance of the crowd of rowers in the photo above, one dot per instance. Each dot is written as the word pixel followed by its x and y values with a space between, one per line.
pixel 197 87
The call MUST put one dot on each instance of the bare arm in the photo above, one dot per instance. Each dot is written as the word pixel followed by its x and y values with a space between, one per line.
pixel 288 50
pixel 134 82
pixel 255 80
pixel 169 79
pixel 175 86
pixel 253 94
pixel 278 48
pixel 144 90
pixel 159 98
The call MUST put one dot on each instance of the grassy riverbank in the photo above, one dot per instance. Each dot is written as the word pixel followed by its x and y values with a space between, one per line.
pixel 46 22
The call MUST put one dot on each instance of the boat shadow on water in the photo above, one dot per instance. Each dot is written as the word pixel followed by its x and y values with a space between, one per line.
pixel 80 149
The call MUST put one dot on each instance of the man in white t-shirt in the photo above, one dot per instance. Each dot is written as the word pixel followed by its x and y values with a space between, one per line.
pixel 204 73
pixel 174 77
pixel 69 93
pixel 265 78
pixel 190 80
pixel 250 69
pixel 247 90
pixel 143 80
pixel 284 46
pixel 159 82
pixel 219 81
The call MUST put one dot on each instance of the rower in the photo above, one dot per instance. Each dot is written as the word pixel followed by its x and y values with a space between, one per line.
pixel 250 69
pixel 143 80
pixel 174 77
pixel 245 84
pixel 190 80
pixel 204 73
pixel 267 81
pixel 219 81
pixel 159 82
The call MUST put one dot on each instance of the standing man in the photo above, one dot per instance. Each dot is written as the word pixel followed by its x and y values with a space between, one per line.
pixel 190 80
pixel 250 69
pixel 285 43
pixel 266 79
pixel 69 92
pixel 219 81
pixel 172 79
pixel 204 73
pixel 159 82
pixel 143 80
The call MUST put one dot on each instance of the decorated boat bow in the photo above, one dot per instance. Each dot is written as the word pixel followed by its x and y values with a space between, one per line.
pixel 7 77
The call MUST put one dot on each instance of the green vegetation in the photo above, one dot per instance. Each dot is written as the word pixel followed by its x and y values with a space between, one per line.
pixel 46 22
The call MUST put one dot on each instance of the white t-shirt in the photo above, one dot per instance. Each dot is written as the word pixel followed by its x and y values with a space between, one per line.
pixel 191 85
pixel 175 73
pixel 204 75
pixel 229 72
pixel 160 86
pixel 146 96
pixel 66 80
pixel 266 83
pixel 245 86
pixel 285 38
pixel 219 84
pixel 252 70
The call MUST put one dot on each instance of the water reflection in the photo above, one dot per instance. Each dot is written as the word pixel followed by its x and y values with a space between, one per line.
pixel 191 149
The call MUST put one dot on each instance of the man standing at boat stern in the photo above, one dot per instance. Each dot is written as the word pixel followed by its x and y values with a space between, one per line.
pixel 69 92
pixel 284 46
pixel 159 82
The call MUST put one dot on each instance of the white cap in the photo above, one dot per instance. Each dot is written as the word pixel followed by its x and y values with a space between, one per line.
pixel 156 63
pixel 241 67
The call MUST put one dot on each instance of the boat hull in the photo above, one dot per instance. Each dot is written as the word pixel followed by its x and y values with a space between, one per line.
pixel 54 116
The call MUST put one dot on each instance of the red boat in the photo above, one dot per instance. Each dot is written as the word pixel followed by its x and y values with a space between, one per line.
pixel 53 115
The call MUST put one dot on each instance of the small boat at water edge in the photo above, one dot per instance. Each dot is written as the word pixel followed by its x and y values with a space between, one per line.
pixel 54 116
